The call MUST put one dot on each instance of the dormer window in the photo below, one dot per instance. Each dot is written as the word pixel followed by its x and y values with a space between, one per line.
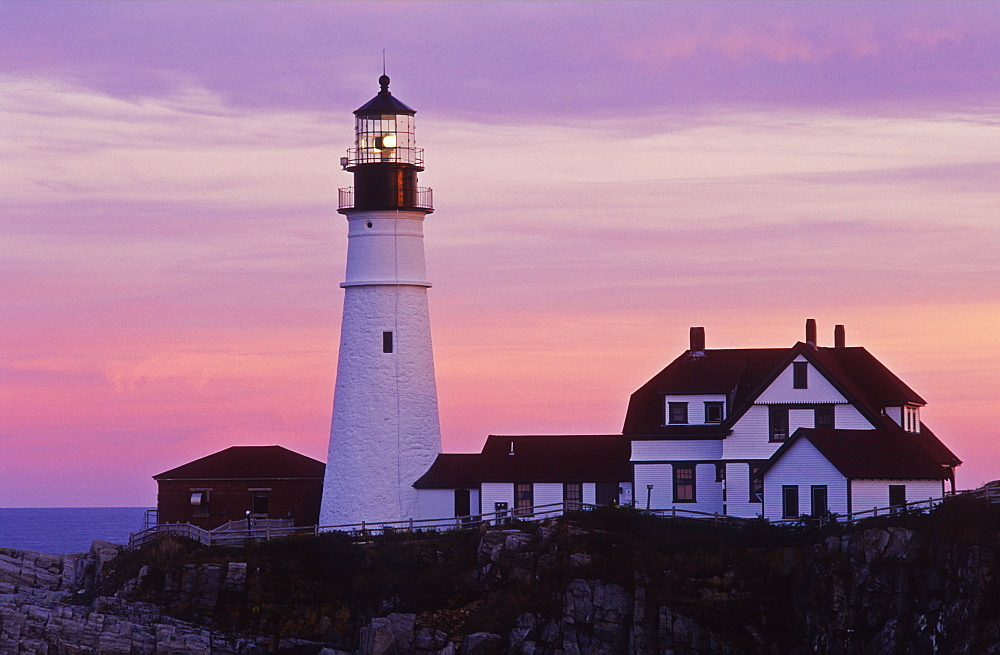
pixel 800 375
pixel 911 419
pixel 713 412
pixel 677 412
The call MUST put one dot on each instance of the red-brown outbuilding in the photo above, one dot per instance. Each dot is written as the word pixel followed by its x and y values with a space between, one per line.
pixel 270 481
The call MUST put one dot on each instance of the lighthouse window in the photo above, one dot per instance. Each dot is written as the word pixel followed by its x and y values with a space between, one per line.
pixel 387 342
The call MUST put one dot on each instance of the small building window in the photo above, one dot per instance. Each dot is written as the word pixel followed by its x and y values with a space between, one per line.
pixel 684 483
pixel 897 495
pixel 800 375
pixel 789 501
pixel 713 412
pixel 678 412
pixel 199 503
pixel 756 484
pixel 819 500
pixel 387 342
pixel 259 501
pixel 825 416
pixel 778 422
pixel 573 496
pixel 720 472
pixel 523 499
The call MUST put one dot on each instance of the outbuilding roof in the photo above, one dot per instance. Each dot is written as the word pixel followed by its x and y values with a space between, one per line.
pixel 883 454
pixel 243 462
pixel 534 458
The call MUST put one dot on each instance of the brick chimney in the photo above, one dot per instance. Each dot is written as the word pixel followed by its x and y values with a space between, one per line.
pixel 811 332
pixel 839 337
pixel 697 348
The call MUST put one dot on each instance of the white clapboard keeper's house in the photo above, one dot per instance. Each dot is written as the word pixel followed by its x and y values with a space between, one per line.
pixel 747 432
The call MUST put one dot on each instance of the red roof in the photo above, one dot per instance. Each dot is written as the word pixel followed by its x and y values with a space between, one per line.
pixel 892 454
pixel 542 458
pixel 243 462
pixel 743 373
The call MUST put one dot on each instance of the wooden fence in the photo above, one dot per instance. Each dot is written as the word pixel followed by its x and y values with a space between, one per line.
pixel 236 533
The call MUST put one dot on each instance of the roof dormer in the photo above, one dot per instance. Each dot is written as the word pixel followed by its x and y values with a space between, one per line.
pixel 905 416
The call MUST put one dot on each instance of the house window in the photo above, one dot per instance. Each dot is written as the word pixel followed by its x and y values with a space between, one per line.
pixel 606 493
pixel 523 499
pixel 778 420
pixel 824 416
pixel 720 472
pixel 463 502
pixel 678 412
pixel 789 501
pixel 800 375
pixel 756 484
pixel 387 342
pixel 573 496
pixel 713 412
pixel 911 419
pixel 684 484
pixel 819 498
pixel 897 495
pixel 199 503
pixel 259 500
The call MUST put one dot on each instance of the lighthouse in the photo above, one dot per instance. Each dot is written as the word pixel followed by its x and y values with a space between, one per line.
pixel 385 431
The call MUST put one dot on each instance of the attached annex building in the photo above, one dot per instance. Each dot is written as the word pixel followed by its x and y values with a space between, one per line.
pixel 772 432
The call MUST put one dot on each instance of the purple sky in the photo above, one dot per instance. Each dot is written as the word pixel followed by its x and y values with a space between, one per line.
pixel 606 175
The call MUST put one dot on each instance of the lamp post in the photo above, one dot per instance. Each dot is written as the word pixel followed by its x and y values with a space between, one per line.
pixel 649 494
pixel 248 524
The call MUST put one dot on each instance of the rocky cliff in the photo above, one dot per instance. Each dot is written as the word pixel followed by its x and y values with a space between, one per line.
pixel 612 581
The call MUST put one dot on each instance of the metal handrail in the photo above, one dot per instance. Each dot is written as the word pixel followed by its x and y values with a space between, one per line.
pixel 358 156
pixel 423 198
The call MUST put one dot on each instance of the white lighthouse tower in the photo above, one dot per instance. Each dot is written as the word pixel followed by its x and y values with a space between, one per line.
pixel 385 432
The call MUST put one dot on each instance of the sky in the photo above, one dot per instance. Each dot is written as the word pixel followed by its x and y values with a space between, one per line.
pixel 606 175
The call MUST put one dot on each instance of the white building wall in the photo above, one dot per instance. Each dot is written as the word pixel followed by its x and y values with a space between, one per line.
pixel 661 477
pixel 436 503
pixel 896 414
pixel 869 494
pixel 800 418
pixel 781 391
pixel 589 493
pixel 696 406
pixel 708 492
pixel 802 465
pixel 493 492
pixel 749 439
pixel 738 491
pixel 676 450
pixel 625 497
pixel 847 417
pixel 547 493
pixel 474 505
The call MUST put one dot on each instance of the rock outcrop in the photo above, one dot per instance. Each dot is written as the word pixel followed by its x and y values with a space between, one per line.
pixel 566 587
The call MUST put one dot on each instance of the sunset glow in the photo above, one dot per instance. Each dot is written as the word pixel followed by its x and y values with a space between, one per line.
pixel 605 176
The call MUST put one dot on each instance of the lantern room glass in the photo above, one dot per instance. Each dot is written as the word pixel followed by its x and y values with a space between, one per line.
pixel 385 138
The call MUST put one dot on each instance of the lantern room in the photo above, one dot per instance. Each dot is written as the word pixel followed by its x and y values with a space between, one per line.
pixel 384 160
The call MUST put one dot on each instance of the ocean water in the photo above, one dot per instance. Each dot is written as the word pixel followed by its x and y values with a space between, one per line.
pixel 63 530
